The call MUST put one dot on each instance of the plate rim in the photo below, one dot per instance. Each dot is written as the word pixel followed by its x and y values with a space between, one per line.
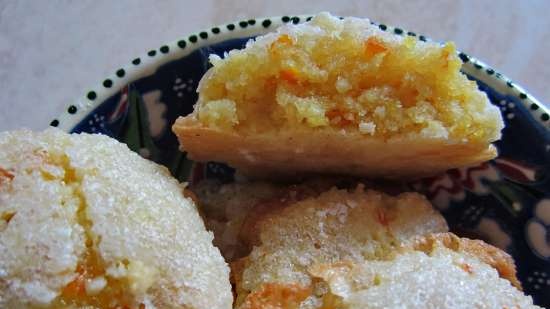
pixel 147 63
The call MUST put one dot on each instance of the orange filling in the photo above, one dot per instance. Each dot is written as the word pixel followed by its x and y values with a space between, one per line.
pixel 114 295
pixel 91 287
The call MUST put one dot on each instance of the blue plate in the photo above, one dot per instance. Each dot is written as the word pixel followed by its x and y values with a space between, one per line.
pixel 505 202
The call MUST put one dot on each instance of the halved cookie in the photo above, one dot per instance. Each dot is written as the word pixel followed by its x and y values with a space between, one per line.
pixel 340 96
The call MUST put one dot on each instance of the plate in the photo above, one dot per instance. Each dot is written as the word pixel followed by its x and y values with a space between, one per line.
pixel 505 202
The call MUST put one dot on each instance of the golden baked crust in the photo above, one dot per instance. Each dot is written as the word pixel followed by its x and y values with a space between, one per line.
pixel 434 271
pixel 343 281
pixel 490 255
pixel 276 296
pixel 299 153
pixel 340 96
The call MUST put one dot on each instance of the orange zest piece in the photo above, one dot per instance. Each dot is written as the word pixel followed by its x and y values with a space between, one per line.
pixel 277 295
pixel 337 116
pixel 333 113
pixel 284 39
pixel 331 301
pixel 374 46
pixel 445 57
pixel 5 175
pixel 7 216
pixel 408 96
pixel 383 217
pixel 289 75
pixel 467 268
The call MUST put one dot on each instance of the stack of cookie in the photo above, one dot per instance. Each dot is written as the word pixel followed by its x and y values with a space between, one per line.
pixel 312 116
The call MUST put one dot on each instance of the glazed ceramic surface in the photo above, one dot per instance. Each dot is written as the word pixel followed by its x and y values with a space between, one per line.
pixel 505 202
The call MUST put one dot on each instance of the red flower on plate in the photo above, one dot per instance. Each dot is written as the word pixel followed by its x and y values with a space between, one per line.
pixel 452 185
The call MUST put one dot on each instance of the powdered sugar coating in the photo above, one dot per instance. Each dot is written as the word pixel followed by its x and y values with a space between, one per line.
pixel 40 245
pixel 145 231
pixel 442 279
pixel 337 225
